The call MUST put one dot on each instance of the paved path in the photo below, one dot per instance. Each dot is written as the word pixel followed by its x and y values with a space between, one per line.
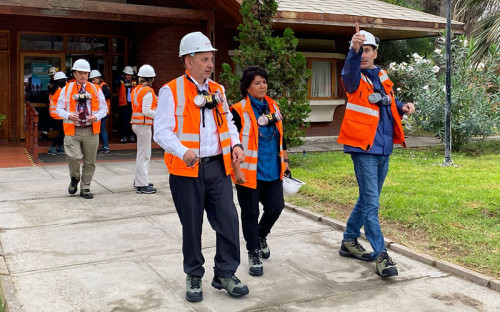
pixel 121 252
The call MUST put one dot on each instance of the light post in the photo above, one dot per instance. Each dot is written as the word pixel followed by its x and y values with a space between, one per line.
pixel 447 107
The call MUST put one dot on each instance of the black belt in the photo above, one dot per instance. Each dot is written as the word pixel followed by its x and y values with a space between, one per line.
pixel 205 160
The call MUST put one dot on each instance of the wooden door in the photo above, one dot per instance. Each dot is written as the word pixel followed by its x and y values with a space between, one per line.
pixel 4 95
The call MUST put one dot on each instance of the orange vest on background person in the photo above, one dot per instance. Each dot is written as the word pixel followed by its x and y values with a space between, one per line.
pixel 122 94
pixel 137 96
pixel 107 100
pixel 53 104
pixel 188 129
pixel 249 137
pixel 361 117
pixel 69 90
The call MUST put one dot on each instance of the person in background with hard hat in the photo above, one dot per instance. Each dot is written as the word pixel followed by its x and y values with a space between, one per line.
pixel 82 105
pixel 96 78
pixel 371 125
pixel 57 84
pixel 195 128
pixel 45 122
pixel 125 104
pixel 144 103
pixel 259 178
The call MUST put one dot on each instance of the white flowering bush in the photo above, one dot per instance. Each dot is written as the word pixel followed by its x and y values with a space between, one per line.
pixel 475 91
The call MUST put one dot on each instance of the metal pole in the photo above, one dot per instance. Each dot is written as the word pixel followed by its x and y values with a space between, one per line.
pixel 447 107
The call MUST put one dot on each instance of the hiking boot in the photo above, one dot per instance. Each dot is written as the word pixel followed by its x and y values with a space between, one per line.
pixel 256 268
pixel 264 249
pixel 86 194
pixel 145 190
pixel 60 150
pixel 123 140
pixel 73 186
pixel 385 267
pixel 193 288
pixel 52 151
pixel 232 285
pixel 351 248
pixel 103 150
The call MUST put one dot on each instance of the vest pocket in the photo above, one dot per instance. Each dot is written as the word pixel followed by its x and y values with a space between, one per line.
pixel 357 129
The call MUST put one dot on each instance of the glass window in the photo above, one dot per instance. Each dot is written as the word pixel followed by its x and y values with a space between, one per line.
pixel 41 42
pixel 91 44
pixel 118 45
pixel 36 77
pixel 321 80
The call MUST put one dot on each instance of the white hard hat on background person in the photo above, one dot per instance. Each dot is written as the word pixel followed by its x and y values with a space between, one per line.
pixel 81 65
pixel 128 70
pixel 195 42
pixel 60 75
pixel 94 73
pixel 291 185
pixel 370 39
pixel 52 71
pixel 146 71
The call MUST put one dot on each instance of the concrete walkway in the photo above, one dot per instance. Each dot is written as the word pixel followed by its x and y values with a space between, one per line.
pixel 121 252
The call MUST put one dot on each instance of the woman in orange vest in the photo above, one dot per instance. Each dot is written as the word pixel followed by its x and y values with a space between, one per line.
pixel 144 102
pixel 96 78
pixel 259 178
pixel 125 104
pixel 59 81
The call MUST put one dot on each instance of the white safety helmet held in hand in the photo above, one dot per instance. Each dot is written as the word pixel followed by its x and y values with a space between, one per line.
pixel 81 65
pixel 52 70
pixel 94 73
pixel 128 70
pixel 370 39
pixel 291 185
pixel 60 75
pixel 195 42
pixel 146 71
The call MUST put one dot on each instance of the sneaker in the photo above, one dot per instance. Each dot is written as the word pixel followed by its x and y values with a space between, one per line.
pixel 86 194
pixel 52 151
pixel 103 150
pixel 146 190
pixel 73 186
pixel 123 140
pixel 264 249
pixel 132 139
pixel 256 268
pixel 232 285
pixel 385 267
pixel 60 150
pixel 354 249
pixel 193 288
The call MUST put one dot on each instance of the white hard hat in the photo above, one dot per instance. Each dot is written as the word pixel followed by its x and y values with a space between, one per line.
pixel 81 65
pixel 52 70
pixel 60 75
pixel 128 70
pixel 291 185
pixel 146 71
pixel 195 42
pixel 94 73
pixel 370 39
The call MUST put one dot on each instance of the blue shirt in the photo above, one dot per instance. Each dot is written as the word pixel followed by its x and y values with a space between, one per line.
pixel 268 162
pixel 351 75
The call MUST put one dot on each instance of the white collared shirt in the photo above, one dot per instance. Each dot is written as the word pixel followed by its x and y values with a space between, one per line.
pixel 64 114
pixel 164 124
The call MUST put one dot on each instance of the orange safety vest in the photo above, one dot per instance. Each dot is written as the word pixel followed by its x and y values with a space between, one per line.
pixel 122 95
pixel 53 104
pixel 107 100
pixel 69 90
pixel 249 137
pixel 187 126
pixel 361 117
pixel 137 95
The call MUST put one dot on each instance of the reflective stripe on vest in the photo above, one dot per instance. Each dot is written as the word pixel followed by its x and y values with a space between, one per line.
pixel 69 125
pixel 138 117
pixel 179 113
pixel 362 109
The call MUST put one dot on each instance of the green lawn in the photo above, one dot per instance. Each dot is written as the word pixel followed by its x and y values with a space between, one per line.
pixel 452 213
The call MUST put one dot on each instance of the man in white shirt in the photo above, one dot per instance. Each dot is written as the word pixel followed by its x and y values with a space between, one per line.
pixel 195 128
pixel 81 105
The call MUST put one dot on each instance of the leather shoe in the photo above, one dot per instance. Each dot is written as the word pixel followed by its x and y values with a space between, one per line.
pixel 73 185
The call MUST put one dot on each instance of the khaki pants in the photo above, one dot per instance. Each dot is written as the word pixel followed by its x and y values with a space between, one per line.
pixel 81 146
pixel 143 133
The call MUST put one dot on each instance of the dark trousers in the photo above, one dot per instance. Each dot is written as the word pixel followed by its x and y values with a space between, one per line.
pixel 125 116
pixel 59 139
pixel 270 194
pixel 210 191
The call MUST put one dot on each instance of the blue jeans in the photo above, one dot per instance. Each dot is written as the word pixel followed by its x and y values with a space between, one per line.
pixel 371 171
pixel 104 134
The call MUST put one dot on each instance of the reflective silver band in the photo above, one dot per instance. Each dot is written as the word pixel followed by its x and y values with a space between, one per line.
pixel 362 109
pixel 248 166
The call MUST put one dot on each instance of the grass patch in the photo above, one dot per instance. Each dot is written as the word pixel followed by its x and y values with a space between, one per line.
pixel 452 213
